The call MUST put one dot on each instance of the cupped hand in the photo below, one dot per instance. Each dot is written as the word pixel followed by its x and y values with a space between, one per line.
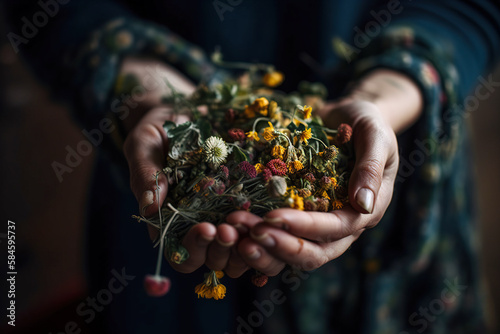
pixel 145 149
pixel 308 240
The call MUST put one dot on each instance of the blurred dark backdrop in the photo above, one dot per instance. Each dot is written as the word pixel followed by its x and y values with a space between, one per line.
pixel 50 215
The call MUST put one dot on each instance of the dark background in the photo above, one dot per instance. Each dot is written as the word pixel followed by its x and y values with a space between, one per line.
pixel 50 215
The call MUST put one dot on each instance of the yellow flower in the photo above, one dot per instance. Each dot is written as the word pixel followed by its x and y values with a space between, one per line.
pixel 253 135
pixel 269 133
pixel 273 79
pixel 334 182
pixel 273 106
pixel 325 195
pixel 278 151
pixel 307 112
pixel 305 135
pixel 259 167
pixel 211 287
pixel 260 106
pixel 337 204
pixel 295 166
pixel 296 202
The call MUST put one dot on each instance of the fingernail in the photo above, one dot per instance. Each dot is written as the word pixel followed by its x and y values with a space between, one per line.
pixel 203 239
pixel 222 243
pixel 241 228
pixel 147 199
pixel 365 197
pixel 264 239
pixel 254 255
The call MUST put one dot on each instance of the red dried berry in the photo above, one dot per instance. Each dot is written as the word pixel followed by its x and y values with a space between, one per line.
pixel 156 286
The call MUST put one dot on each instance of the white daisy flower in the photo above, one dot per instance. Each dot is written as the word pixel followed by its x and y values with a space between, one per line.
pixel 215 151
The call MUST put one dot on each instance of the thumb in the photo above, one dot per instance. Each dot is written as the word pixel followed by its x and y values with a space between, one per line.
pixel 371 145
pixel 144 150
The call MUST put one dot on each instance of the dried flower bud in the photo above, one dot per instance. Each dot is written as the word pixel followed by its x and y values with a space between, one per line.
pixel 276 186
pixel 309 205
pixel 277 167
pixel 259 280
pixel 219 188
pixel 304 192
pixel 344 133
pixel 325 182
pixel 310 177
pixel 246 205
pixel 322 204
pixel 236 134
pixel 206 182
pixel 156 286
pixel 330 153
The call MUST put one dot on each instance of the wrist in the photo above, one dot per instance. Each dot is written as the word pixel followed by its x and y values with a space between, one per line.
pixel 396 95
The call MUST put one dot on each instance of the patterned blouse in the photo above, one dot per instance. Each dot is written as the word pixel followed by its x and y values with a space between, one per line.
pixel 416 272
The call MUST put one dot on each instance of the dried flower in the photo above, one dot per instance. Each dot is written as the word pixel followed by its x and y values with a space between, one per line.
pixel 253 135
pixel 259 106
pixel 211 287
pixel 259 167
pixel 309 205
pixel 206 182
pixel 304 136
pixel 269 132
pixel 304 192
pixel 273 107
pixel 295 201
pixel 248 169
pixel 278 152
pixel 306 111
pixel 295 166
pixel 310 177
pixel 322 204
pixel 330 152
pixel 277 167
pixel 326 182
pixel 273 79
pixel 277 186
pixel 344 133
pixel 337 204
pixel 267 174
pixel 224 171
pixel 215 151
pixel 219 187
pixel 259 280
pixel 236 134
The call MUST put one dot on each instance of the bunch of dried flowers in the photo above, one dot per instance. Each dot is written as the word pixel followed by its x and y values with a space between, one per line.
pixel 256 149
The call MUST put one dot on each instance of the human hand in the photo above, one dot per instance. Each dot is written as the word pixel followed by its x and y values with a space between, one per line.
pixel 308 240
pixel 145 150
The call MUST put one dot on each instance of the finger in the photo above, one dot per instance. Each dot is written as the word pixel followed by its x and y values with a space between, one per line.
pixel 318 226
pixel 145 150
pixel 243 220
pixel 196 242
pixel 374 144
pixel 236 266
pixel 219 251
pixel 258 258
pixel 298 252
